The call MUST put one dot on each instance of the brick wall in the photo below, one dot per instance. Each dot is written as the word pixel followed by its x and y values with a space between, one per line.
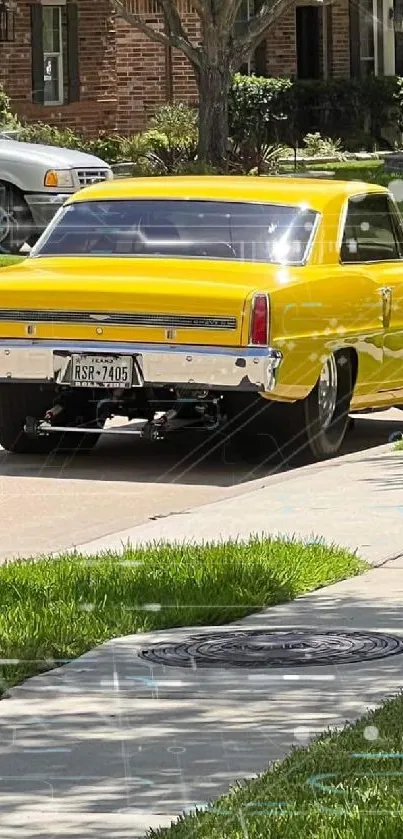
pixel 96 109
pixel 125 77
pixel 341 39
pixel 149 75
pixel 15 58
pixel 281 55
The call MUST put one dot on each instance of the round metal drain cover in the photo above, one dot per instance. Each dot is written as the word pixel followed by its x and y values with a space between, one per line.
pixel 278 648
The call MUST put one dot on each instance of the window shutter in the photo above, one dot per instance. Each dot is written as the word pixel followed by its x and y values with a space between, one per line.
pixel 72 53
pixel 38 82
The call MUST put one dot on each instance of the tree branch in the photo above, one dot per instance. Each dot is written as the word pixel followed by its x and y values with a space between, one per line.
pixel 268 13
pixel 228 13
pixel 137 21
pixel 174 37
pixel 201 8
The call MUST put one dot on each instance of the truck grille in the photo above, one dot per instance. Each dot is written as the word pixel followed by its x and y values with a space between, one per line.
pixel 120 319
pixel 87 177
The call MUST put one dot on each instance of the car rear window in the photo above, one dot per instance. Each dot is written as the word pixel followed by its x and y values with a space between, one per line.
pixel 245 232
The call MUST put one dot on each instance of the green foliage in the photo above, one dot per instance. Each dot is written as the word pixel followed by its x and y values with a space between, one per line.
pixel 7 118
pixel 398 99
pixel 107 147
pixel 341 786
pixel 256 105
pixel 60 609
pixel 6 260
pixel 178 123
pixel 195 167
pixel 172 138
pixel 50 135
pixel 317 146
pixel 252 157
pixel 282 111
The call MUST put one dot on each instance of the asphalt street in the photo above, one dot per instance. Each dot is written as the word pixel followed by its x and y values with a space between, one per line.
pixel 53 503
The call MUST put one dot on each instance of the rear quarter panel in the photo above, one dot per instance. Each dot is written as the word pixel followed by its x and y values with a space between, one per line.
pixel 322 307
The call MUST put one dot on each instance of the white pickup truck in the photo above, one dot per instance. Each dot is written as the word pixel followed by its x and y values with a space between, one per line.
pixel 35 180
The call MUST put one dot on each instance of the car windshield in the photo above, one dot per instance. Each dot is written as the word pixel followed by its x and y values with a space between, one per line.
pixel 245 232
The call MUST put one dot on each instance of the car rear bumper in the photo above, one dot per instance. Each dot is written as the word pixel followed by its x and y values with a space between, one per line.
pixel 215 368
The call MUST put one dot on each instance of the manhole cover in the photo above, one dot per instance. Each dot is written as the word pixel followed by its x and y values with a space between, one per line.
pixel 279 648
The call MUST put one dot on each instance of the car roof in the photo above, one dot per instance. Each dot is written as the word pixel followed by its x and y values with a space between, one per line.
pixel 316 192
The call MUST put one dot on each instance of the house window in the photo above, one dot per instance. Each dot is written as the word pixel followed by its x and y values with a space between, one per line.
pixel 55 52
pixel 372 34
pixel 372 48
pixel 52 41
pixel 368 38
pixel 256 62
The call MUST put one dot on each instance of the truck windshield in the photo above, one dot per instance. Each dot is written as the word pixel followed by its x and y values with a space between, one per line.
pixel 245 232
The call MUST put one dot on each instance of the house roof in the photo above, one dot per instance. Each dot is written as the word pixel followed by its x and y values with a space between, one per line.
pixel 317 193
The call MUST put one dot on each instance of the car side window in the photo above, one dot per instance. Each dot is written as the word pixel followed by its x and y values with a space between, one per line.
pixel 369 231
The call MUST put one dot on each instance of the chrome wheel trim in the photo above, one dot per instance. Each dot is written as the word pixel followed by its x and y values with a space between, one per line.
pixel 5 224
pixel 327 392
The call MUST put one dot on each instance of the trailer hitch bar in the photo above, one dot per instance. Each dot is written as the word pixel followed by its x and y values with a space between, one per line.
pixel 150 430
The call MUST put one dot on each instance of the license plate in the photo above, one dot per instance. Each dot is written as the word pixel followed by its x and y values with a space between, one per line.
pixel 102 371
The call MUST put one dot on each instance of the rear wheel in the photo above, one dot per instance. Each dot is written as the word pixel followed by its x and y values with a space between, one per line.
pixel 18 401
pixel 313 427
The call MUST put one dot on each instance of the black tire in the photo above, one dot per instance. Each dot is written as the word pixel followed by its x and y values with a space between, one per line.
pixel 18 401
pixel 309 433
pixel 292 430
pixel 16 222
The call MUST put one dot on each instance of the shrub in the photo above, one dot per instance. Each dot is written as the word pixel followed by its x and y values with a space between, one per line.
pixel 107 147
pixel 50 135
pixel 172 138
pixel 178 122
pixel 279 110
pixel 317 146
pixel 256 105
pixel 7 118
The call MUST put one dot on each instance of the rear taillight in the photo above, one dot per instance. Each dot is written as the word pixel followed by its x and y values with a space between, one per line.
pixel 259 320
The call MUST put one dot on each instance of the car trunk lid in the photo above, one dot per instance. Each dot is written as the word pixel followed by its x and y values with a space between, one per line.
pixel 130 299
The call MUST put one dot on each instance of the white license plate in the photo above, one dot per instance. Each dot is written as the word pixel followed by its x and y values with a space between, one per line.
pixel 102 371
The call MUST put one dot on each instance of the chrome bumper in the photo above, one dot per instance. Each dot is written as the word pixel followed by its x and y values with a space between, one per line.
pixel 242 368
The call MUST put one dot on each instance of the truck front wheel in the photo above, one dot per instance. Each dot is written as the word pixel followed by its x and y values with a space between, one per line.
pixel 18 401
pixel 16 222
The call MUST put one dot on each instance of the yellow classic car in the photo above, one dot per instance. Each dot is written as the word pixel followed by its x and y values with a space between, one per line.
pixel 257 308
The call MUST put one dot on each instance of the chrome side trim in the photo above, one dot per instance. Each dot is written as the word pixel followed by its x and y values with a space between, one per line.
pixel 119 319
pixel 237 368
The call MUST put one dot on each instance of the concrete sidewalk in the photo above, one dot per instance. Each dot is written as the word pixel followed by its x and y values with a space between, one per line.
pixel 114 743
pixel 111 745
pixel 355 501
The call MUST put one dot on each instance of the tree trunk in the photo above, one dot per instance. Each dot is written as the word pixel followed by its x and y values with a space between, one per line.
pixel 213 83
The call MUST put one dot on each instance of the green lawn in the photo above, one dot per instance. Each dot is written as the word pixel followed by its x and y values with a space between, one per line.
pixel 371 171
pixel 6 260
pixel 53 610
pixel 344 786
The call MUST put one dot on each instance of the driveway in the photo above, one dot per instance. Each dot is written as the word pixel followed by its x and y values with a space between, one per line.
pixel 53 503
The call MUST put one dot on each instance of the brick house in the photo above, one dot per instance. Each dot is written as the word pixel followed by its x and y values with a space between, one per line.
pixel 76 63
